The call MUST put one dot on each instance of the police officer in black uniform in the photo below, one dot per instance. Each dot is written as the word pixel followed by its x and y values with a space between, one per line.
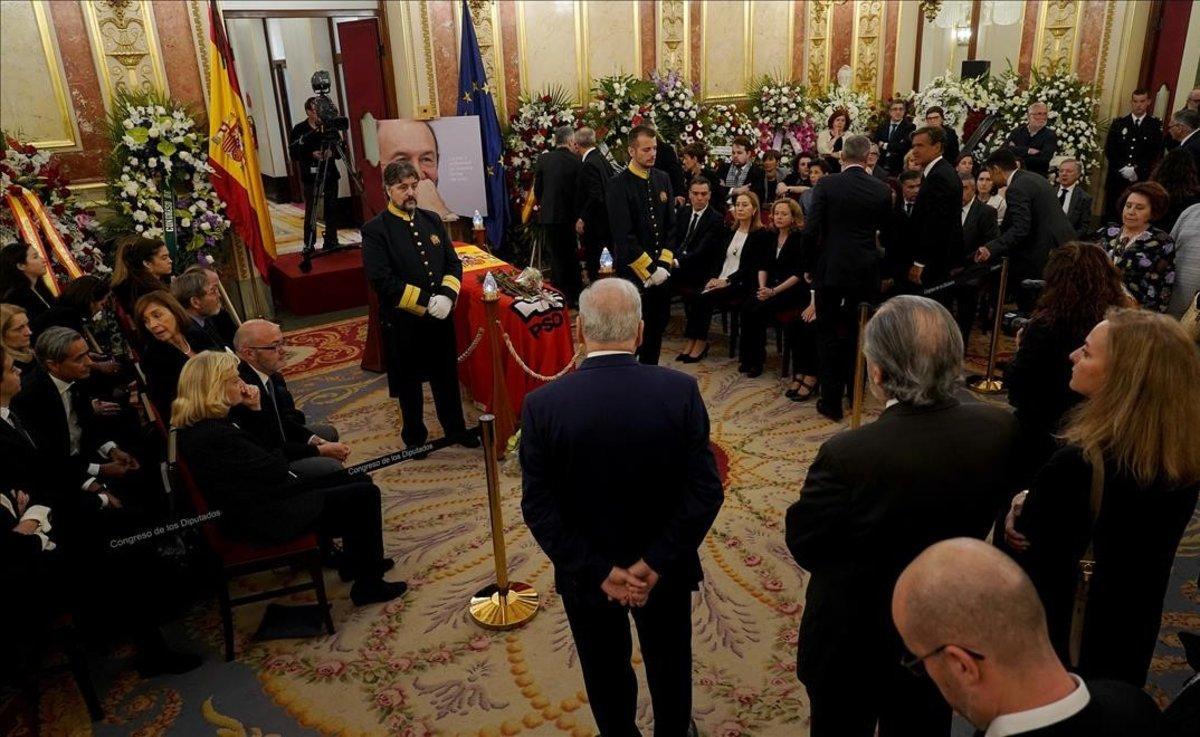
pixel 1134 145
pixel 411 265
pixel 305 146
pixel 640 214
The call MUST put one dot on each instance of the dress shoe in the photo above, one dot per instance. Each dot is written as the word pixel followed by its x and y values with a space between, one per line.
pixel 376 591
pixel 834 413
pixel 696 359
pixel 467 440
pixel 165 661
pixel 682 357
pixel 347 573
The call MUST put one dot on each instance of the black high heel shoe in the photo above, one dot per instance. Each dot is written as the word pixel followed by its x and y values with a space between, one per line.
pixel 696 359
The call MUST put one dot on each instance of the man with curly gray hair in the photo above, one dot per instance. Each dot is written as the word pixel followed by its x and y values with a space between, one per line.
pixel 930 468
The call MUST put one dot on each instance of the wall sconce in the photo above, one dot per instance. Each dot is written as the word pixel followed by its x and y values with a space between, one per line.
pixel 962 35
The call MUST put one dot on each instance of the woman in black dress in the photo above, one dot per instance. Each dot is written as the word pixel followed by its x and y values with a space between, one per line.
pixel 143 266
pixel 170 338
pixel 260 499
pixel 1081 285
pixel 21 270
pixel 1119 494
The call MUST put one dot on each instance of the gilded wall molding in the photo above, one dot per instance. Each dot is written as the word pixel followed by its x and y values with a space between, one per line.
pixel 747 54
pixel 819 42
pixel 674 46
pixel 200 39
pixel 487 31
pixel 125 46
pixel 1058 26
pixel 868 24
pixel 427 50
pixel 1109 11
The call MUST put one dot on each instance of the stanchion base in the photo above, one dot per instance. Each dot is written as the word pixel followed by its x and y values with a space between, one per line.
pixel 496 610
pixel 981 385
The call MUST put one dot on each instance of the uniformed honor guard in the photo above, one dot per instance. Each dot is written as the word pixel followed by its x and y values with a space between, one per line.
pixel 640 213
pixel 411 265
pixel 1133 147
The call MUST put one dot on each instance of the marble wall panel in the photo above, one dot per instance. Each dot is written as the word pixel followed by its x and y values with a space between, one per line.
pixel 549 47
pixel 33 85
pixel 725 50
pixel 771 39
pixel 612 42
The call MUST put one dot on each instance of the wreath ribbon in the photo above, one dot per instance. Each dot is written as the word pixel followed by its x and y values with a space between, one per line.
pixel 29 203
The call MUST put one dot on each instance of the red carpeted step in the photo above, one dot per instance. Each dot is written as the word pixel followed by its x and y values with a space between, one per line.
pixel 336 282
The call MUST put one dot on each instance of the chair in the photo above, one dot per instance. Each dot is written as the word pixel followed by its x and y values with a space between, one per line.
pixel 237 559
pixel 781 320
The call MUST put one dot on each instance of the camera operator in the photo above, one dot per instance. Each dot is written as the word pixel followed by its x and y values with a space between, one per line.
pixel 306 145
pixel 1081 284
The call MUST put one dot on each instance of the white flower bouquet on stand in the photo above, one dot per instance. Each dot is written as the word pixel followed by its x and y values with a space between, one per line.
pixel 781 113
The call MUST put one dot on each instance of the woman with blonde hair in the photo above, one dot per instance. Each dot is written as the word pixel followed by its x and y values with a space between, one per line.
pixel 260 500
pixel 1117 498
pixel 15 335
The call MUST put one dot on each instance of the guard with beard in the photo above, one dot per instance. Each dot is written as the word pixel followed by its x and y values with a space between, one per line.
pixel 641 213
pixel 411 264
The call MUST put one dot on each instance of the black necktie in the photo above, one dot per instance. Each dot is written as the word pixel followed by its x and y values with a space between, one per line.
pixel 691 227
pixel 891 131
pixel 269 386
pixel 908 208
pixel 1062 196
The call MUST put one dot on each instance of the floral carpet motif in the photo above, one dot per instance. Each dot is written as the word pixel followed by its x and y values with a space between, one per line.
pixel 419 666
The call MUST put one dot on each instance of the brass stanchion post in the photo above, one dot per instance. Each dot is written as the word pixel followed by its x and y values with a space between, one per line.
pixel 501 406
pixel 988 383
pixel 506 604
pixel 864 310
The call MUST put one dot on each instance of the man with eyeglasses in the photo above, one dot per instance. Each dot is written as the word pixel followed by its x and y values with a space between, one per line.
pixel 976 628
pixel 311 450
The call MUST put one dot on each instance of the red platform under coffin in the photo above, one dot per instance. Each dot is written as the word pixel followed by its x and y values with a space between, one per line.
pixel 336 282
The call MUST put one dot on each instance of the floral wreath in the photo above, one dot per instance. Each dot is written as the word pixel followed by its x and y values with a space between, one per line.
pixel 857 105
pixel 781 114
pixel 160 156
pixel 676 113
pixel 723 123
pixel 620 103
pixel 531 133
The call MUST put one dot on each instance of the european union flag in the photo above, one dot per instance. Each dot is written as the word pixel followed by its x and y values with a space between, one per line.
pixel 475 98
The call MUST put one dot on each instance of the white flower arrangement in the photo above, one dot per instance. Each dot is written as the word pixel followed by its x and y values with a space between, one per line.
pixel 157 147
pixel 782 117
pixel 675 111
pixel 856 104
pixel 723 123
pixel 957 97
pixel 531 133
pixel 619 103
pixel 1072 106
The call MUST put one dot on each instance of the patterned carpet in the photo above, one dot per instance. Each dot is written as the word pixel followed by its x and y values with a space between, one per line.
pixel 420 667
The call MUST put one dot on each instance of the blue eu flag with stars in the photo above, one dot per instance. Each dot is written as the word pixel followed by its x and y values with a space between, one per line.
pixel 475 98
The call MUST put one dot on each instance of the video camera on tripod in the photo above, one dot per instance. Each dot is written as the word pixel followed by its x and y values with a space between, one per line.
pixel 333 146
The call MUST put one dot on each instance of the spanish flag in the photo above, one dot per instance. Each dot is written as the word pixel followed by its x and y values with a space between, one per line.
pixel 232 152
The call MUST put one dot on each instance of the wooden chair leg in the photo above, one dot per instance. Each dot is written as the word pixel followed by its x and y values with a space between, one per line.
pixel 735 325
pixel 779 340
pixel 226 616
pixel 77 659
pixel 318 579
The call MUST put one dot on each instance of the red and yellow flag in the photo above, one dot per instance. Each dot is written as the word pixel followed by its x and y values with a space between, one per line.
pixel 232 152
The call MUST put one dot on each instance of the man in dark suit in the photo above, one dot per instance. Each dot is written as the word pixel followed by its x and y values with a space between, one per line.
pixel 893 134
pixel 899 237
pixel 696 240
pixel 1076 201
pixel 874 166
pixel 1034 143
pixel 741 173
pixel 849 209
pixel 411 264
pixel 935 117
pixel 1133 146
pixel 937 213
pixel 202 303
pixel 692 159
pixel 641 215
pixel 1034 223
pixel 591 195
pixel 305 144
pixel 555 181
pixel 930 468
pixel 311 451
pixel 1184 124
pixel 979 227
pixel 972 621
pixel 620 488
pixel 59 419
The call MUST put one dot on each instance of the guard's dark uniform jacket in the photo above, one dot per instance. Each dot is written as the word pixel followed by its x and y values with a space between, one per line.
pixel 640 213
pixel 408 261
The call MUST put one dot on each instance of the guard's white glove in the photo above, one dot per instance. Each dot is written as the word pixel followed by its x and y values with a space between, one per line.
pixel 439 306
pixel 659 276
pixel 1129 173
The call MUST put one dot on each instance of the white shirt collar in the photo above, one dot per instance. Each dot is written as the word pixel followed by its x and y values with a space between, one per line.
pixel 848 167
pixel 1136 119
pixel 585 153
pixel 1043 716
pixel 1185 138
pixel 699 212
pixel 264 378
pixel 62 386
pixel 4 413
pixel 930 166
pixel 1069 189
pixel 597 354
pixel 889 403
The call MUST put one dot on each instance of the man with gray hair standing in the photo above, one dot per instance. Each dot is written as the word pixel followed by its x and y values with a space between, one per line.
pixel 555 178
pixel 620 488
pixel 973 622
pixel 930 468
pixel 591 192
